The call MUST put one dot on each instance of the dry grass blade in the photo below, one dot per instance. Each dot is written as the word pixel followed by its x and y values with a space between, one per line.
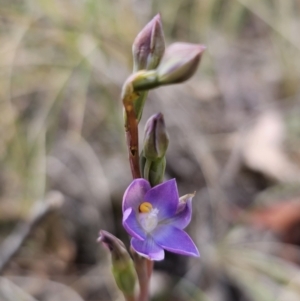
pixel 11 292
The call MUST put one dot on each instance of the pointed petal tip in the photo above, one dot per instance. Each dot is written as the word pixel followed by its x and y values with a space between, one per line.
pixel 196 253
pixel 157 17
pixel 202 48
pixel 100 237
pixel 103 235
pixel 175 240
pixel 158 115
pixel 168 182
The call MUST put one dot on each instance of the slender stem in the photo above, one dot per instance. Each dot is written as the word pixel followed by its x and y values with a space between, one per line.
pixel 131 129
pixel 143 266
pixel 150 265
pixel 143 269
pixel 144 279
pixel 144 285
pixel 129 297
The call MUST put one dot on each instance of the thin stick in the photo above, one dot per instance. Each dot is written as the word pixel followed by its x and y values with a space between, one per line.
pixel 16 239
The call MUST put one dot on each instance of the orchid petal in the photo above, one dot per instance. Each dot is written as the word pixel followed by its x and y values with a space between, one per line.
pixel 135 193
pixel 148 248
pixel 175 240
pixel 131 224
pixel 165 198
pixel 183 217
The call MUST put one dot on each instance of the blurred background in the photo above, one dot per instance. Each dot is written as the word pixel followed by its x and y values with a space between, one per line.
pixel 234 139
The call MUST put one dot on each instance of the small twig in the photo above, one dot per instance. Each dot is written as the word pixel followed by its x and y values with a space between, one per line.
pixel 16 239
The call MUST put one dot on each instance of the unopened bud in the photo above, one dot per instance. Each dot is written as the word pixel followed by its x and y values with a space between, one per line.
pixel 122 264
pixel 179 63
pixel 149 45
pixel 157 171
pixel 156 139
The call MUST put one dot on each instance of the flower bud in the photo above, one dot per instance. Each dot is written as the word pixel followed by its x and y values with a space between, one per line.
pixel 156 139
pixel 179 63
pixel 149 45
pixel 122 264
pixel 157 171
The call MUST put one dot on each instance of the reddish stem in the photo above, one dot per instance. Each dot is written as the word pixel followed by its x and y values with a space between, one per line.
pixel 143 266
pixel 150 265
pixel 132 138
pixel 143 269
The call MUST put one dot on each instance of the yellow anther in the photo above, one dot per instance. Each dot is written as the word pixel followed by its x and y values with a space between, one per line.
pixel 145 207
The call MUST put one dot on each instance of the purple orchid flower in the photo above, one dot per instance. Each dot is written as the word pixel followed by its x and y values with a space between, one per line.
pixel 155 217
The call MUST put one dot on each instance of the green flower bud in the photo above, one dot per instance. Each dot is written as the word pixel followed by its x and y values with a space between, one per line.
pixel 153 171
pixel 149 45
pixel 157 171
pixel 179 63
pixel 156 138
pixel 122 264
